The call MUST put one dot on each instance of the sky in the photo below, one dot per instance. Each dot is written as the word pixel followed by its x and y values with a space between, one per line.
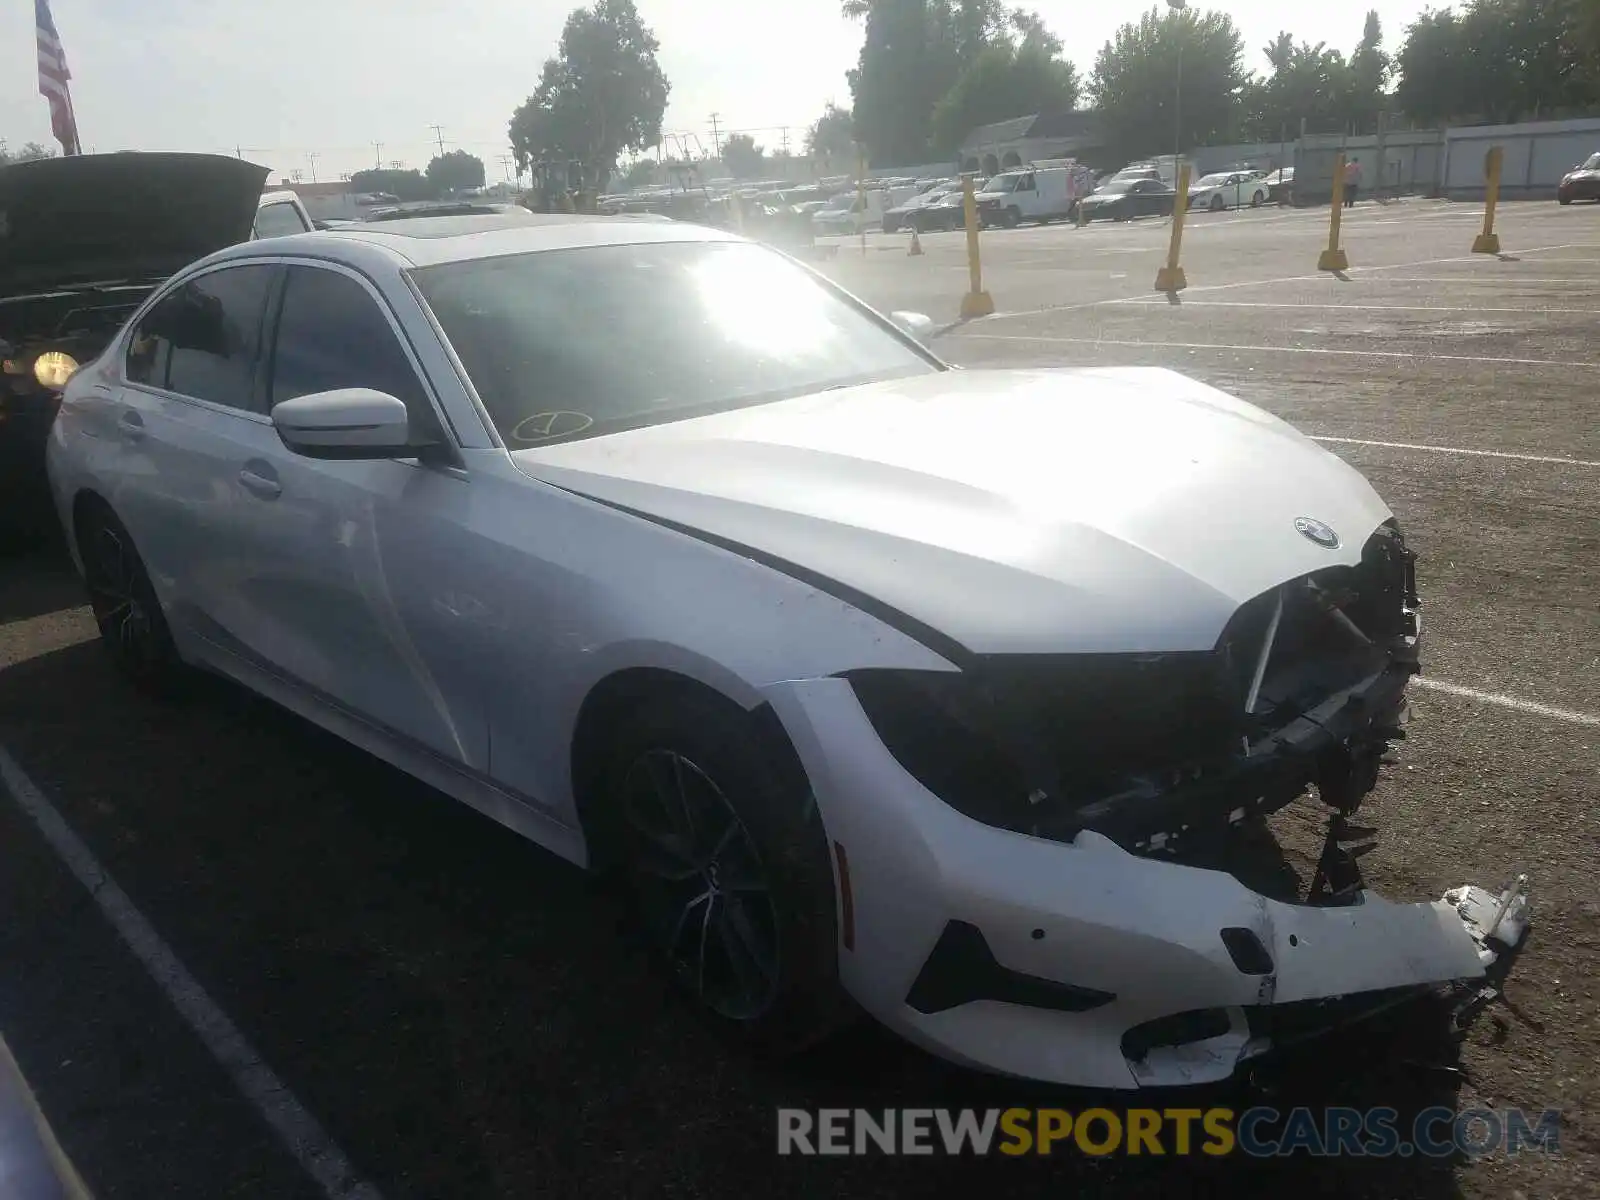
pixel 294 79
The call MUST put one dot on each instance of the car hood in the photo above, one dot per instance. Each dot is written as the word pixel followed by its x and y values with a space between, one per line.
pixel 94 217
pixel 1047 511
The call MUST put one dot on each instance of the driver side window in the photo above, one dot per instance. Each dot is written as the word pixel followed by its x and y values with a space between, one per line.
pixel 331 334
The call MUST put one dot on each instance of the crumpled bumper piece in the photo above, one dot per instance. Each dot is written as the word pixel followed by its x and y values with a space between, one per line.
pixel 1080 920
pixel 1497 922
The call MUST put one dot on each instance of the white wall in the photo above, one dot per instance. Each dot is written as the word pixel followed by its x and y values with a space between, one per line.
pixel 1537 155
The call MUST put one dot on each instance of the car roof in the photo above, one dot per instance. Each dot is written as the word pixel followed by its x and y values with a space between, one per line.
pixel 427 241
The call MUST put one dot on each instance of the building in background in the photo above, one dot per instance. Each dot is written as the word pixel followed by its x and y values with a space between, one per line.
pixel 992 148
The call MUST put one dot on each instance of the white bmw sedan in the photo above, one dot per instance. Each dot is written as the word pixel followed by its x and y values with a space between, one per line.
pixel 942 694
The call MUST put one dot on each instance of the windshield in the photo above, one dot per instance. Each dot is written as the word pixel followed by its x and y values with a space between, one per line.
pixel 1592 163
pixel 1212 181
pixel 575 343
pixel 1002 183
pixel 1117 186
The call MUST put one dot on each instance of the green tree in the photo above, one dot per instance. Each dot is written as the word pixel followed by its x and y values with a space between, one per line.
pixel 908 60
pixel 832 136
pixel 1310 83
pixel 406 185
pixel 455 170
pixel 1367 79
pixel 1003 82
pixel 29 152
pixel 1134 85
pixel 639 173
pixel 742 156
pixel 1501 61
pixel 602 94
pixel 915 53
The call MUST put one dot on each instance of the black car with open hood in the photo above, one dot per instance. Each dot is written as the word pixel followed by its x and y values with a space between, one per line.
pixel 83 240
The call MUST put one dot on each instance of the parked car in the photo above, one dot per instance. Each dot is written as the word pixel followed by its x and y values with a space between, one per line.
pixel 947 212
pixel 1042 194
pixel 281 213
pixel 83 240
pixel 868 705
pixel 1124 199
pixel 900 215
pixel 1280 186
pixel 851 212
pixel 1582 182
pixel 1229 189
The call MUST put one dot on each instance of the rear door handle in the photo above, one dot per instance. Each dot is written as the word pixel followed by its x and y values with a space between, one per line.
pixel 259 479
pixel 132 425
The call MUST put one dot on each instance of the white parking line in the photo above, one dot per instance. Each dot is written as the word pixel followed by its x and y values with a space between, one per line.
pixel 1589 312
pixel 1537 458
pixel 1528 706
pixel 1467 358
pixel 296 1128
pixel 1500 281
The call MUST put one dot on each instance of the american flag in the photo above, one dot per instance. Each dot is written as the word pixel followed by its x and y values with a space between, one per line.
pixel 53 77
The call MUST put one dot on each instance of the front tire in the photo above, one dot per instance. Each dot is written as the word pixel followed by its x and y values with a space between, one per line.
pixel 1257 200
pixel 1217 204
pixel 1013 217
pixel 133 629
pixel 724 858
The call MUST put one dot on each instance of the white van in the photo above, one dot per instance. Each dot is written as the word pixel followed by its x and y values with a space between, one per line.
pixel 1028 194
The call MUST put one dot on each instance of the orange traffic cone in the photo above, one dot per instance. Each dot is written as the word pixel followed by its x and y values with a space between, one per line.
pixel 916 243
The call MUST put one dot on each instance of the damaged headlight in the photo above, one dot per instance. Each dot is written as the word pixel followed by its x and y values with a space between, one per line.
pixel 1017 739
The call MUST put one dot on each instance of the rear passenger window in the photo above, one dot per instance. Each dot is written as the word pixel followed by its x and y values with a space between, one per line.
pixel 332 334
pixel 204 340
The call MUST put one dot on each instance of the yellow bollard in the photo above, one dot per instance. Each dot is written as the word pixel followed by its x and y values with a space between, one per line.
pixel 738 212
pixel 1488 242
pixel 1170 278
pixel 916 249
pixel 1334 258
pixel 977 302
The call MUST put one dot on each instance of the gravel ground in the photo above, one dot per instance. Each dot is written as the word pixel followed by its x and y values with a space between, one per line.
pixel 459 1010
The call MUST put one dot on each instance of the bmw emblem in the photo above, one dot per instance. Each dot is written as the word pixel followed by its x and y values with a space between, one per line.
pixel 1314 530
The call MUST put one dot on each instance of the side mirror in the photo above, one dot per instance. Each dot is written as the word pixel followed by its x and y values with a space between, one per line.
pixel 349 423
pixel 918 325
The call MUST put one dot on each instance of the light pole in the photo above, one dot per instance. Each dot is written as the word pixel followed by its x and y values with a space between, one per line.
pixel 1177 6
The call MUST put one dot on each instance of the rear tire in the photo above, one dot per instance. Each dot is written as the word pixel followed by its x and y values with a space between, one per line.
pixel 133 629
pixel 725 862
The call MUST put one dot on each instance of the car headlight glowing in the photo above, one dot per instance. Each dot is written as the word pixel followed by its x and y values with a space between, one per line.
pixel 53 368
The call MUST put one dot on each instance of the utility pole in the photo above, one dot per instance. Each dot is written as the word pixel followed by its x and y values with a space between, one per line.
pixel 312 159
pixel 377 155
pixel 438 132
pixel 505 166
pixel 716 134
pixel 786 141
pixel 238 151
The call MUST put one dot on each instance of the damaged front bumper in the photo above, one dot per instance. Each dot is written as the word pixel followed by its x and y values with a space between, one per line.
pixel 1081 961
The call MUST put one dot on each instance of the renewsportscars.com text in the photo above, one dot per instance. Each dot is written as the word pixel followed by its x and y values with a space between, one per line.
pixel 1215 1132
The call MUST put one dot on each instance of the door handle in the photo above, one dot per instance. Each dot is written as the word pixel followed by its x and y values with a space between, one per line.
pixel 258 479
pixel 132 425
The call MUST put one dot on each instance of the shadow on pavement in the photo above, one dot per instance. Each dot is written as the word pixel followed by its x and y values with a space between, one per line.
pixel 465 1016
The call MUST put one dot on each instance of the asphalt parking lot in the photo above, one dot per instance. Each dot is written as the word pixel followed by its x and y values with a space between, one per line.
pixel 459 1013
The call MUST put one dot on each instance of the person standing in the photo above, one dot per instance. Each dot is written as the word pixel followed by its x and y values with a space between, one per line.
pixel 1352 182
